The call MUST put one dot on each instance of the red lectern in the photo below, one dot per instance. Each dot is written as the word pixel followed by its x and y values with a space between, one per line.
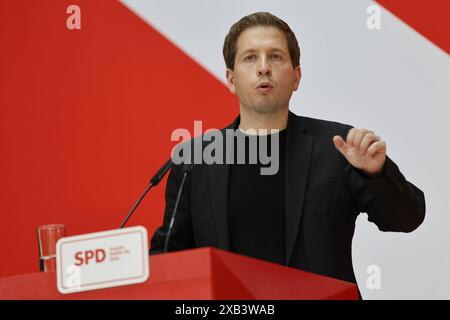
pixel 205 273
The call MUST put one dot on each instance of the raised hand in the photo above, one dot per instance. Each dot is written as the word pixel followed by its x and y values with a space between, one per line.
pixel 363 149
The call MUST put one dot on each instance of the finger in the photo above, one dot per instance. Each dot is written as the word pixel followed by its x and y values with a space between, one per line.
pixel 353 135
pixel 377 147
pixel 359 136
pixel 350 136
pixel 367 140
pixel 340 144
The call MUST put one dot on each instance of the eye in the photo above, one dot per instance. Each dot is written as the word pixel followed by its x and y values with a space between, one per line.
pixel 276 56
pixel 249 58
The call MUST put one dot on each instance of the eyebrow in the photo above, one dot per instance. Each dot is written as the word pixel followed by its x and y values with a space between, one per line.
pixel 253 50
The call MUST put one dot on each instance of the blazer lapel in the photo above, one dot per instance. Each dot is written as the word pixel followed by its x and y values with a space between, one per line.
pixel 298 156
pixel 218 181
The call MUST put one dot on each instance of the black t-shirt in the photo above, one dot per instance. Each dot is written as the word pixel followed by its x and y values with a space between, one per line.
pixel 256 204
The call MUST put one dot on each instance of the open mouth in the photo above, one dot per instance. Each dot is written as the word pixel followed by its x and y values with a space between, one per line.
pixel 264 87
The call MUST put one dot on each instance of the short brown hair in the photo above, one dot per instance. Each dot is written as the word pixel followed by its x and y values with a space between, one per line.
pixel 253 20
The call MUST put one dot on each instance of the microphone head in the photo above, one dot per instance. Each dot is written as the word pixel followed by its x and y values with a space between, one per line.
pixel 161 173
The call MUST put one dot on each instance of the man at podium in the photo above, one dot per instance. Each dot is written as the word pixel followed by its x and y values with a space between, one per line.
pixel 301 211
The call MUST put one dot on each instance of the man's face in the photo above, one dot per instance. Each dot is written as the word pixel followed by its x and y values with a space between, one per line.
pixel 263 76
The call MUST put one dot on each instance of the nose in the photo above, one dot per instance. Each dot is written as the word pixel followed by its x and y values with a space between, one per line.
pixel 264 68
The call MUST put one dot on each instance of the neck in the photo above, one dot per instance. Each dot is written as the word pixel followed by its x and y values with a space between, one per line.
pixel 251 119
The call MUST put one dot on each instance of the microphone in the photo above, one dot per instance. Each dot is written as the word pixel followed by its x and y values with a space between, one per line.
pixel 186 169
pixel 153 182
pixel 161 173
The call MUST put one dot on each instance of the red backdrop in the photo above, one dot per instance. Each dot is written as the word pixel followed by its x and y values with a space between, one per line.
pixel 86 117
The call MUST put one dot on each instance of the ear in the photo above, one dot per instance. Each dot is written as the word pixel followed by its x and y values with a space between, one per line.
pixel 297 77
pixel 230 80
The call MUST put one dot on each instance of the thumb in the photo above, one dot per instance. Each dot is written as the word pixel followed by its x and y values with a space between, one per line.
pixel 340 144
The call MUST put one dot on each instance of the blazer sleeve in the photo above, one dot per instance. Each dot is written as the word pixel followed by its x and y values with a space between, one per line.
pixel 181 236
pixel 390 201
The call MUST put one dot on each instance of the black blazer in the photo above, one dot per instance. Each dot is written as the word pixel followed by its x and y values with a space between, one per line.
pixel 324 195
